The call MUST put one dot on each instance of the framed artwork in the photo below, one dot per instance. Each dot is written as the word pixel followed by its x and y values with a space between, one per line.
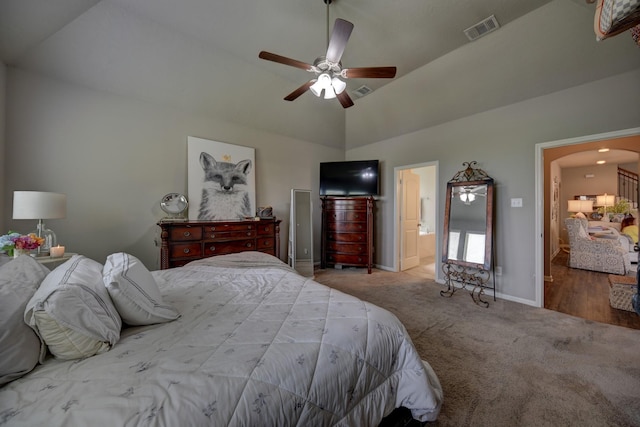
pixel 221 180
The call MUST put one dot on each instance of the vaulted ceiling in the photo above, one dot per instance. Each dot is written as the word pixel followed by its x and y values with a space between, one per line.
pixel 201 56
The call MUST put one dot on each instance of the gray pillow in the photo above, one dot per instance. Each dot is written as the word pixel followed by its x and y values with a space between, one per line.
pixel 134 291
pixel 72 311
pixel 19 344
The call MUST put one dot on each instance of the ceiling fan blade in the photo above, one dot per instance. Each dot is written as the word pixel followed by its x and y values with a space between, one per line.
pixel 345 99
pixel 338 41
pixel 284 60
pixel 302 89
pixel 369 73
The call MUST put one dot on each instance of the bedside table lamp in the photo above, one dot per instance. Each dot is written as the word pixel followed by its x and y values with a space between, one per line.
pixel 40 205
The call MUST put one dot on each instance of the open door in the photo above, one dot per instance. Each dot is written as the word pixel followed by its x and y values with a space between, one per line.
pixel 409 220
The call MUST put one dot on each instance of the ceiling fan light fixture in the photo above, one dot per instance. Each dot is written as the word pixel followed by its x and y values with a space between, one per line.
pixel 323 83
pixel 338 85
pixel 329 93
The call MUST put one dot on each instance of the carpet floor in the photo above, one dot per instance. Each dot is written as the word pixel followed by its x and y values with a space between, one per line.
pixel 509 364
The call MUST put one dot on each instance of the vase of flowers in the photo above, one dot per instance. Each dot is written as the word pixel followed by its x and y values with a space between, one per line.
pixel 16 244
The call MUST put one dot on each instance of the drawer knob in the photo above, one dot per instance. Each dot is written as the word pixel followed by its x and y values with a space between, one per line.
pixel 186 250
pixel 212 248
pixel 213 236
pixel 249 244
pixel 212 229
pixel 248 234
pixel 360 237
pixel 187 233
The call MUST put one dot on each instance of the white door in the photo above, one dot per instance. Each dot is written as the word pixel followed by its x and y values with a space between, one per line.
pixel 409 219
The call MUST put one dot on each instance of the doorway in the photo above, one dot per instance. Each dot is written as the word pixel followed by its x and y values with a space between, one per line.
pixel 545 154
pixel 416 197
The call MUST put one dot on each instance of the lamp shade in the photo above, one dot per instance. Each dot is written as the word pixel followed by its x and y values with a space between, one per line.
pixel 39 205
pixel 606 200
pixel 580 205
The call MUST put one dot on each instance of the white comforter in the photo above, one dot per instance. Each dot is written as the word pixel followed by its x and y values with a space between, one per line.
pixel 256 345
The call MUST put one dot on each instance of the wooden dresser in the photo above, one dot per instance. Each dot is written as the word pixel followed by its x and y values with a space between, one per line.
pixel 347 231
pixel 186 241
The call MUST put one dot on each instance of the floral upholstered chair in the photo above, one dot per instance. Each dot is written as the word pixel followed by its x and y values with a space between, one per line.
pixel 596 254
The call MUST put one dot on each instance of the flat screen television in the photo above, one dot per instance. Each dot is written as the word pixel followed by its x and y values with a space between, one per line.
pixel 351 178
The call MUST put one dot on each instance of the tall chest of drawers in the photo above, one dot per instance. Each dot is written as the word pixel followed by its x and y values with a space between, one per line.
pixel 347 231
pixel 187 241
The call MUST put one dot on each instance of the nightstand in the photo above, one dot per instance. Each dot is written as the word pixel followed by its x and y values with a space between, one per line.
pixel 52 263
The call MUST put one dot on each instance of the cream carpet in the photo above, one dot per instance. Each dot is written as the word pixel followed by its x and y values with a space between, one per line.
pixel 509 364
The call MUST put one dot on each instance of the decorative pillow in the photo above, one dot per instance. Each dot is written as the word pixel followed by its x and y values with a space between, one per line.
pixel 72 312
pixel 19 345
pixel 582 233
pixel 134 291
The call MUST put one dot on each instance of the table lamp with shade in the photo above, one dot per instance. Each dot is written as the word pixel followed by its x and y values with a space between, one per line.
pixel 579 207
pixel 40 205
pixel 605 200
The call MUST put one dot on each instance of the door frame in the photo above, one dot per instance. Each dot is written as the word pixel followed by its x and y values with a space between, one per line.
pixel 540 196
pixel 396 212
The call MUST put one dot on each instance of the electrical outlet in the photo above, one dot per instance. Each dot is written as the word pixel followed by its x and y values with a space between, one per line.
pixel 498 271
pixel 516 203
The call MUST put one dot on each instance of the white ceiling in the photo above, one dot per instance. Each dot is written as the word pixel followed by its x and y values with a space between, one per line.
pixel 202 55
pixel 589 158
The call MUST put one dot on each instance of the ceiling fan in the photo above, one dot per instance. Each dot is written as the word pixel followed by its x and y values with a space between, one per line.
pixel 328 69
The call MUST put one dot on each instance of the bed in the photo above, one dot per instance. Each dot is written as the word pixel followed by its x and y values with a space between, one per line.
pixel 244 341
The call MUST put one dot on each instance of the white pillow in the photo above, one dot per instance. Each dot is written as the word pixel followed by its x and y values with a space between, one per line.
pixel 72 312
pixel 134 291
pixel 582 233
pixel 19 344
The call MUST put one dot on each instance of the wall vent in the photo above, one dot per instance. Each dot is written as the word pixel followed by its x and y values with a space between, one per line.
pixel 362 91
pixel 482 28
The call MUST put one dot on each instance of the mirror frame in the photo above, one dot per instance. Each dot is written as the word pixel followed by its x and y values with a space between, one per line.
pixel 458 182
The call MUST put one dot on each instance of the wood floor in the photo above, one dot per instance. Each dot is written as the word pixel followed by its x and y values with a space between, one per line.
pixel 584 294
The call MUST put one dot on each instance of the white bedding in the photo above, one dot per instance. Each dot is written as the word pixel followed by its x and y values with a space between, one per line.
pixel 256 345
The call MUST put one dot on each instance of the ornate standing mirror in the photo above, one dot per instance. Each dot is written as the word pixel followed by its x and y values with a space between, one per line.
pixel 468 233
pixel 301 233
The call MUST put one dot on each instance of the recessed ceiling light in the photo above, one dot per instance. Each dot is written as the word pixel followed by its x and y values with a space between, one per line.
pixel 603 150
pixel 601 162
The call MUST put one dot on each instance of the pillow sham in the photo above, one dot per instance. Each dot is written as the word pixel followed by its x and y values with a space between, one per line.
pixel 72 312
pixel 134 291
pixel 19 344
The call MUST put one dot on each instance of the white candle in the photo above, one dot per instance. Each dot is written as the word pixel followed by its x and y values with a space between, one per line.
pixel 57 251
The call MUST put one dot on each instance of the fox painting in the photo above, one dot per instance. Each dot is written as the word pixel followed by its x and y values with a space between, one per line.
pixel 224 192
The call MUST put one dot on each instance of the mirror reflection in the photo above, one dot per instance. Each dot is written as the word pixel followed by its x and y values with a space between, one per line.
pixel 468 223
pixel 301 233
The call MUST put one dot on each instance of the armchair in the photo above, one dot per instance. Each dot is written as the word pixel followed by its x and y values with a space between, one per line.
pixel 596 254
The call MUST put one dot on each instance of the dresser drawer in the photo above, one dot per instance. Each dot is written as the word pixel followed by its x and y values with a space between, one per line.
pixel 185 233
pixel 349 216
pixel 229 234
pixel 347 259
pixel 335 204
pixel 347 237
pixel 266 242
pixel 357 227
pixel 185 250
pixel 266 229
pixel 228 227
pixel 228 247
pixel 347 248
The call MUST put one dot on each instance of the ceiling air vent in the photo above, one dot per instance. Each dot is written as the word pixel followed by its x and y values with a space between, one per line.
pixel 362 91
pixel 482 28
